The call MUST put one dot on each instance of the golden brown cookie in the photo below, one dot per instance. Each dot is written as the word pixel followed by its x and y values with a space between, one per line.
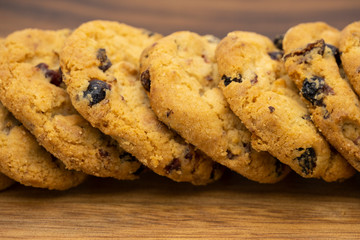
pixel 180 74
pixel 31 88
pixel 310 60
pixel 258 90
pixel 349 47
pixel 100 62
pixel 24 160
pixel 5 181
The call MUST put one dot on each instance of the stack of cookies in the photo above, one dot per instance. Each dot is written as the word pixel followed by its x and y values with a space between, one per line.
pixel 111 100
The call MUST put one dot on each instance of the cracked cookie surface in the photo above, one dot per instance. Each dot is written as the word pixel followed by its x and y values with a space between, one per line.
pixel 312 63
pixel 258 90
pixel 31 88
pixel 100 62
pixel 180 75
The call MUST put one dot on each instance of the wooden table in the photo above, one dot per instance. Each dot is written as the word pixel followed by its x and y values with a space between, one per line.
pixel 155 207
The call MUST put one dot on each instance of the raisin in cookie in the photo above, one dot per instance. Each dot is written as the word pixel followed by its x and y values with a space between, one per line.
pixel 100 62
pixel 180 74
pixel 349 47
pixel 310 61
pixel 259 92
pixel 31 88
pixel 24 160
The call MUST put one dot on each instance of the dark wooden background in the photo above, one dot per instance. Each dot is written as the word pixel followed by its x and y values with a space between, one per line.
pixel 155 207
pixel 166 16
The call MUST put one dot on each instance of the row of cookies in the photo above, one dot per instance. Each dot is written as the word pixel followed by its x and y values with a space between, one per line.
pixel 32 83
pixel 45 110
pixel 234 101
pixel 250 75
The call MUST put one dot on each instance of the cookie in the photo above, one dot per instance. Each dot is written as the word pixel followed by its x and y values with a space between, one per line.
pixel 255 84
pixel 24 160
pixel 310 61
pixel 5 182
pixel 349 47
pixel 181 73
pixel 100 62
pixel 31 88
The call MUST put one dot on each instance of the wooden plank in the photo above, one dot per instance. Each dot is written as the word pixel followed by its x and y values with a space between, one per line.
pixel 155 207
pixel 202 16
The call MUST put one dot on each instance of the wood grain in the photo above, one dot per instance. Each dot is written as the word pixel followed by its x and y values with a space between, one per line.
pixel 155 207
pixel 167 16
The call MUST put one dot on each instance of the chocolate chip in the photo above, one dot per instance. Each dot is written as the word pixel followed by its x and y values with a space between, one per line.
pixel 278 41
pixel 228 80
pixel 254 80
pixel 105 62
pixel 312 90
pixel 272 109
pixel 103 153
pixel 319 45
pixel 189 152
pixel 54 75
pixel 189 155
pixel 276 55
pixel 169 112
pixel 306 117
pixel 96 91
pixel 175 164
pixel 145 80
pixel 307 160
pixel 326 114
pixel 335 51
pixel 42 66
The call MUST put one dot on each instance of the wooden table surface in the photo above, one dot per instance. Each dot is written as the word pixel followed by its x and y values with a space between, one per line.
pixel 155 207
